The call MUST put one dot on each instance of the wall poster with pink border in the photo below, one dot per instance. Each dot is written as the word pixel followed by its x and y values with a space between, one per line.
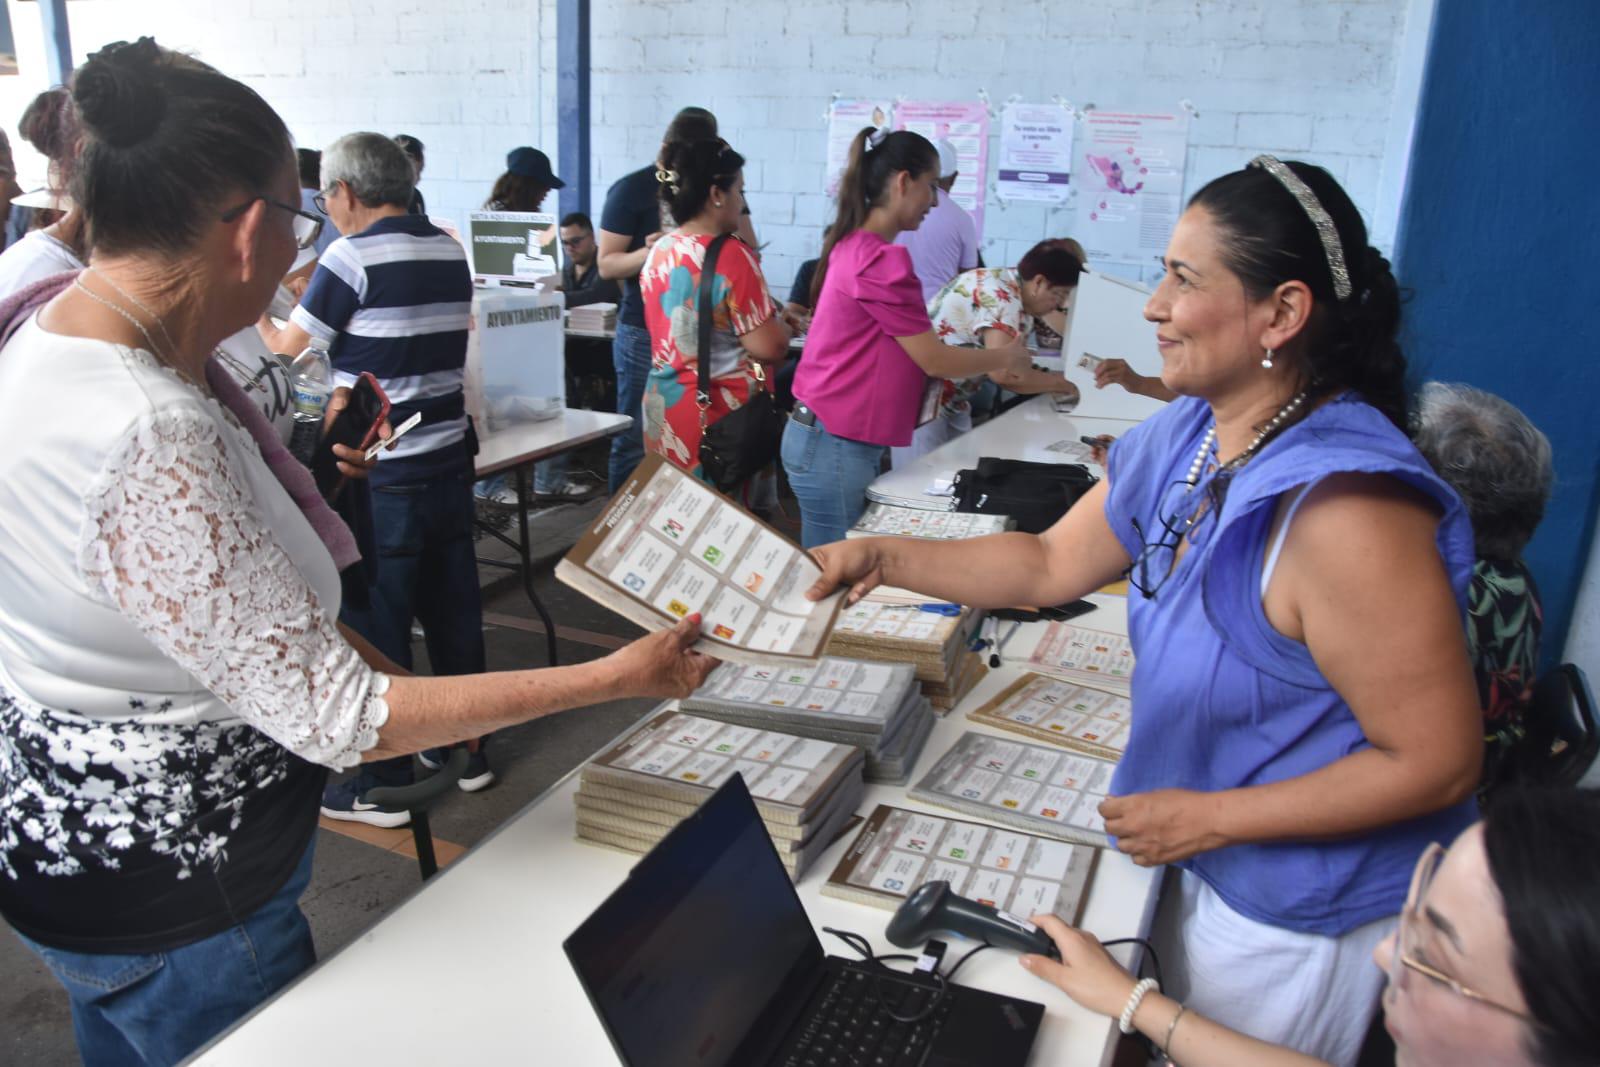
pixel 966 127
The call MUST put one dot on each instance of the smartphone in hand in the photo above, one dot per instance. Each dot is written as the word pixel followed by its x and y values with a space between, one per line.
pixel 357 426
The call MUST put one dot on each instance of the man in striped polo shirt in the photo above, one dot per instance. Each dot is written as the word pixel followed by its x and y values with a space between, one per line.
pixel 393 296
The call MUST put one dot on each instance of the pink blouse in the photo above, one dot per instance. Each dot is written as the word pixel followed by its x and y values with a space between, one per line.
pixel 854 374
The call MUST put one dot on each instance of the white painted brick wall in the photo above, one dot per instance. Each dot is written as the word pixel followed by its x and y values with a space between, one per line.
pixel 468 77
pixel 1310 79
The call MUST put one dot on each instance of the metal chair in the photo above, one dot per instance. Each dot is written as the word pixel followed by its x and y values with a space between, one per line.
pixel 417 798
pixel 1561 737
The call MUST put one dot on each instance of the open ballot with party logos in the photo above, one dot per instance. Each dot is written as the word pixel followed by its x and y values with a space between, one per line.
pixel 898 850
pixel 668 546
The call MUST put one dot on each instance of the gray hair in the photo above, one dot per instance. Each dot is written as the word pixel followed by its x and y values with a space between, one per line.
pixel 377 170
pixel 1492 456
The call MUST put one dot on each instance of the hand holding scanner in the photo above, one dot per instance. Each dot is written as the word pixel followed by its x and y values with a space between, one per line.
pixel 933 909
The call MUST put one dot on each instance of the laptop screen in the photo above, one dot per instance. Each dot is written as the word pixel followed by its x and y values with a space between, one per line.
pixel 702 939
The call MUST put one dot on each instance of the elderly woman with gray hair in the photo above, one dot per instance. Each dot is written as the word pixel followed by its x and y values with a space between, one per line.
pixel 1500 465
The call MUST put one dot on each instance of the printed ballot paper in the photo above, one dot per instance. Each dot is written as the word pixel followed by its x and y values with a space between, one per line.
pixel 667 546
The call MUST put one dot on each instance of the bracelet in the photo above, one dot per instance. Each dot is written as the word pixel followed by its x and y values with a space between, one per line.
pixel 1125 1023
pixel 1166 1045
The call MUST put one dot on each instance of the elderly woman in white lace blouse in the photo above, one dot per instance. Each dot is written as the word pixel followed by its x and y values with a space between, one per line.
pixel 172 680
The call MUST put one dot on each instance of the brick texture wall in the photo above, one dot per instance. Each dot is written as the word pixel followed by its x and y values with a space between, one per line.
pixel 1311 79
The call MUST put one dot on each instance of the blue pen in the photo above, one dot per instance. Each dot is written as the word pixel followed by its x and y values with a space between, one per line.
pixel 950 610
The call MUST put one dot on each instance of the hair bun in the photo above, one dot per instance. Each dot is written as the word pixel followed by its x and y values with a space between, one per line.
pixel 117 92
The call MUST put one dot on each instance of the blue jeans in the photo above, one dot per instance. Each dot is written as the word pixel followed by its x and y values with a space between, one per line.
pixel 427 570
pixel 145 1009
pixel 630 355
pixel 829 476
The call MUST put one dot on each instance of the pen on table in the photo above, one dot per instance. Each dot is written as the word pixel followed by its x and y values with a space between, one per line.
pixel 994 656
pixel 991 628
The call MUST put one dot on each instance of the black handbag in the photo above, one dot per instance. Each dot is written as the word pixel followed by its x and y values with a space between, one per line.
pixel 747 439
pixel 1034 495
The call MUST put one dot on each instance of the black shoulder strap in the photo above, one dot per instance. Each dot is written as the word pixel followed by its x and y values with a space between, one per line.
pixel 708 277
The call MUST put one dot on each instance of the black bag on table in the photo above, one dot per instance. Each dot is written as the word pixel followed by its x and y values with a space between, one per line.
pixel 744 441
pixel 1034 495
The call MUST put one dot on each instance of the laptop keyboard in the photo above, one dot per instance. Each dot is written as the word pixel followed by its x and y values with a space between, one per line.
pixel 849 1026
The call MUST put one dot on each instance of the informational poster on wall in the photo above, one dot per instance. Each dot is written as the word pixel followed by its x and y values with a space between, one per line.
pixel 846 119
pixel 1035 153
pixel 1130 183
pixel 966 127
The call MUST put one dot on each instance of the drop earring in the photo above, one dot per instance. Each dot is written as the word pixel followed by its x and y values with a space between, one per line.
pixel 1266 361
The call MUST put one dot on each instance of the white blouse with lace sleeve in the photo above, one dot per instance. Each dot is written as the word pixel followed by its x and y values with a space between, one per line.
pixel 173 540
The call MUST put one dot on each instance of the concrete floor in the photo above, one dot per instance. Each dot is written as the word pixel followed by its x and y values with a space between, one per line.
pixel 355 883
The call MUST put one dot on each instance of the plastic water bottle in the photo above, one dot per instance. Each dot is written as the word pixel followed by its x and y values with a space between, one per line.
pixel 312 381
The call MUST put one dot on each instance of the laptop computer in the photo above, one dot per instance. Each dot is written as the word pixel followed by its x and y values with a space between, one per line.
pixel 704 957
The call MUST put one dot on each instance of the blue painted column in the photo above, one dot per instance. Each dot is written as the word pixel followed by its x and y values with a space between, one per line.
pixel 57 40
pixel 572 102
pixel 1497 241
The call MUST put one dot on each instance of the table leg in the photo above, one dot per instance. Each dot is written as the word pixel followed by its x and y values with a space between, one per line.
pixel 521 480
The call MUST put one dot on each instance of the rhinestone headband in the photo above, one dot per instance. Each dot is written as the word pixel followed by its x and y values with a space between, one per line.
pixel 1319 218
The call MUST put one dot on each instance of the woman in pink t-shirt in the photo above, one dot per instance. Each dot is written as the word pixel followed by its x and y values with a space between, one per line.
pixel 871 355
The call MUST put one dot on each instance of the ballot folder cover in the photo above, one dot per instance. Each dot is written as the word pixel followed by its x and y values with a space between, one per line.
pixel 899 850
pixel 668 545
pixel 1060 713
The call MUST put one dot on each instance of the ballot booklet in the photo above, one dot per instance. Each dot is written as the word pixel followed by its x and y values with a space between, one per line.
pixel 668 545
pixel 1074 716
pixel 1038 788
pixel 1089 657
pixel 898 850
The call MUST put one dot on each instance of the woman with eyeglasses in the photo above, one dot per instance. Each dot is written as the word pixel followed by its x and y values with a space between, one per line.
pixel 1304 714
pixel 1495 960
pixel 173 683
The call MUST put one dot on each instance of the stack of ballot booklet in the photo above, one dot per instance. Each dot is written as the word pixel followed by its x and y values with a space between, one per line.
pixel 898 850
pixel 593 318
pixel 933 638
pixel 878 707
pixel 892 520
pixel 806 790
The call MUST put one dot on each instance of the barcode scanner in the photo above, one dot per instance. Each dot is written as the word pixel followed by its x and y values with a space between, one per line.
pixel 934 909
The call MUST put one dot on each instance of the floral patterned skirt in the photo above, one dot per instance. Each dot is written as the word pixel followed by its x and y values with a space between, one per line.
pixel 672 417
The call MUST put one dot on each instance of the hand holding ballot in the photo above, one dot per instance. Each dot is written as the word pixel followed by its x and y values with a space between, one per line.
pixel 1117 372
pixel 853 562
pixel 663 664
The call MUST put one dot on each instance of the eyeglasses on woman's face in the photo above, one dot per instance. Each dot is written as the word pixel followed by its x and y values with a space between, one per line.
pixel 307 227
pixel 1412 938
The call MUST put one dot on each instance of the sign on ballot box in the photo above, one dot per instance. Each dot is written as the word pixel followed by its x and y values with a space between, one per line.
pixel 516 362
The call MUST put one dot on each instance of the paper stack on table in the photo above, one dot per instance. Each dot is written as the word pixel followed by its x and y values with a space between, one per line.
pixel 891 520
pixel 878 707
pixel 898 850
pixel 593 318
pixel 1060 713
pixel 933 638
pixel 632 794
pixel 1038 788
pixel 1088 657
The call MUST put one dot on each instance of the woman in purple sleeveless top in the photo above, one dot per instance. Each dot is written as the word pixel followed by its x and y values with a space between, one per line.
pixel 1305 718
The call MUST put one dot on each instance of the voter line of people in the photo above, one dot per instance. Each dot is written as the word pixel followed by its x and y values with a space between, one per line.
pixel 191 638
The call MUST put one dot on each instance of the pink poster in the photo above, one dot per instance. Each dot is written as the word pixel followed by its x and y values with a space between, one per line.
pixel 966 127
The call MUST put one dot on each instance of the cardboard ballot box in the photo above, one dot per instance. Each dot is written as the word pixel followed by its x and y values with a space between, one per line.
pixel 516 362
